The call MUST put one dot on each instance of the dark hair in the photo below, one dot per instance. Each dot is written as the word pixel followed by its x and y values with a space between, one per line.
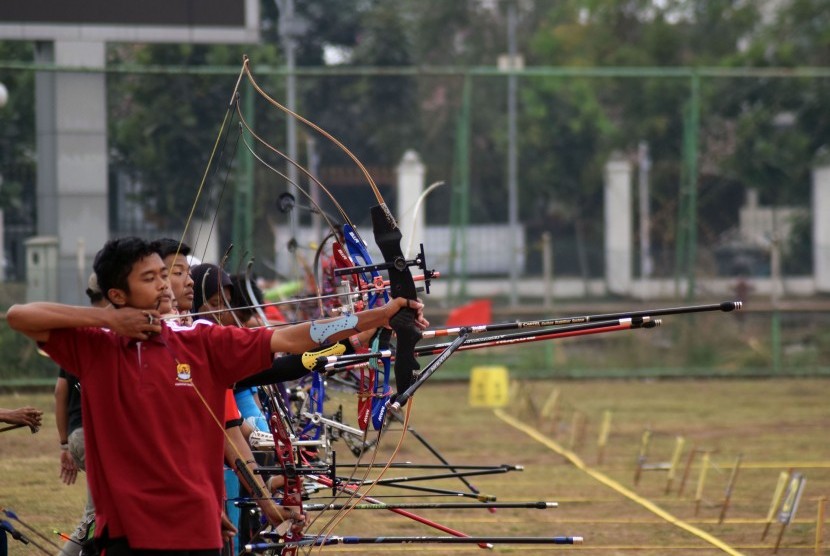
pixel 115 261
pixel 167 246
pixel 94 297
pixel 209 276
pixel 240 297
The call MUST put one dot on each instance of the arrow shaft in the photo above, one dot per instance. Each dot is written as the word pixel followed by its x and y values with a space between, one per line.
pixel 726 307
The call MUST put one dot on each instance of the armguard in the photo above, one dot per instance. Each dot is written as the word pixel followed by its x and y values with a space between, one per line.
pixel 320 332
pixel 310 357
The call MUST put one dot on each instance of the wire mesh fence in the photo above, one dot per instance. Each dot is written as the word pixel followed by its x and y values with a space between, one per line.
pixel 717 167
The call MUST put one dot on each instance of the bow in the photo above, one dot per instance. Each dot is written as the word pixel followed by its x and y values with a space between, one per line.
pixel 292 488
pixel 388 238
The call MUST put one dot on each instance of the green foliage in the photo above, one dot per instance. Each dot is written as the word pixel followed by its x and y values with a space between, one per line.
pixel 17 124
pixel 21 358
pixel 168 154
pixel 798 253
pixel 759 133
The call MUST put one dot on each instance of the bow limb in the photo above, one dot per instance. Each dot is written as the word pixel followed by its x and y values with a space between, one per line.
pixel 388 238
pixel 317 207
pixel 415 212
pixel 247 70
pixel 243 122
pixel 221 289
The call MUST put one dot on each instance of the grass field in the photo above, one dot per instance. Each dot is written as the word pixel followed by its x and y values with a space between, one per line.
pixel 774 424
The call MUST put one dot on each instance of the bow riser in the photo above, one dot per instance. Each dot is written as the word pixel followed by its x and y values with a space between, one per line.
pixel 401 284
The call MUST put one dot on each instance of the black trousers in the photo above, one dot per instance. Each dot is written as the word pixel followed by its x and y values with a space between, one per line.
pixel 120 547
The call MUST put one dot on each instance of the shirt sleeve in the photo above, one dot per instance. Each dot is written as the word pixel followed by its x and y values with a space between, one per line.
pixel 66 347
pixel 238 352
pixel 233 417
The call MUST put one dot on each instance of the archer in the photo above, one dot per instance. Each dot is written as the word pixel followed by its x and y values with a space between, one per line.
pixel 168 384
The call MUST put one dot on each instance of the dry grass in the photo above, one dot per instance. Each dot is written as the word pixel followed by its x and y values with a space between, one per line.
pixel 775 424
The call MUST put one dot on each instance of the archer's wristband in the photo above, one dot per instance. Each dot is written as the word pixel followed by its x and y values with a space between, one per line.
pixel 320 332
pixel 65 447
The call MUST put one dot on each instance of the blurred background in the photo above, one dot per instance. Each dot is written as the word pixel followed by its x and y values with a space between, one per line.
pixel 597 155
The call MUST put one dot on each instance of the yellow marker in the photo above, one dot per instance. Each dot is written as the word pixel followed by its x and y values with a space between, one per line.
pixel 704 467
pixel 489 387
pixel 675 458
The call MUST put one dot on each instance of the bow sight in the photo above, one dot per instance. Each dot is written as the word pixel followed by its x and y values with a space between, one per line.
pixel 398 263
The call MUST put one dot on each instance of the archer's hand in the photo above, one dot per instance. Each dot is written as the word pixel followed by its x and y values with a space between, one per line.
pixel 277 515
pixel 135 323
pixel 27 416
pixel 228 529
pixel 69 469
pixel 397 304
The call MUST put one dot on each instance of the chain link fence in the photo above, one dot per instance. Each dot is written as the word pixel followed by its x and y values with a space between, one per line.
pixel 635 187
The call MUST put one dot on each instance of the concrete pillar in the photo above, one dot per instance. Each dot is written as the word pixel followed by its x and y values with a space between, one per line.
pixel 821 228
pixel 618 226
pixel 72 180
pixel 411 173
pixel 41 268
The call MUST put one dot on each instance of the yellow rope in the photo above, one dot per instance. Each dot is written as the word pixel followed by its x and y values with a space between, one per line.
pixel 647 504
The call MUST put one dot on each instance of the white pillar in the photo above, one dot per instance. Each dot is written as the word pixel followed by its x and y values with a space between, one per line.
pixel 411 173
pixel 821 228
pixel 72 182
pixel 618 226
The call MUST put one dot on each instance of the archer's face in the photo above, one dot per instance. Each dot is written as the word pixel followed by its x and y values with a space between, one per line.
pixel 148 285
pixel 180 280
pixel 217 303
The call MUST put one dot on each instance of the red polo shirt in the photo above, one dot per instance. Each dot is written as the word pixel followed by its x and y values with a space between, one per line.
pixel 153 451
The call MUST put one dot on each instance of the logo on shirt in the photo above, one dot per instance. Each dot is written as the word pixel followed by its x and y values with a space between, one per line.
pixel 183 375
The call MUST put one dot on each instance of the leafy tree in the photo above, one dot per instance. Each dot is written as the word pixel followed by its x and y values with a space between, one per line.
pixel 17 139
pixel 615 114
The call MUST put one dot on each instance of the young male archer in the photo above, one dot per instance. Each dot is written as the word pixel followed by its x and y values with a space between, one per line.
pixel 151 462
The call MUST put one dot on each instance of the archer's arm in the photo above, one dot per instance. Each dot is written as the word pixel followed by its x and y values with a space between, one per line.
pixel 297 338
pixel 62 409
pixel 69 471
pixel 37 320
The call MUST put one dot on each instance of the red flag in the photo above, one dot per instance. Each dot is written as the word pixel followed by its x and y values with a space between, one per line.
pixel 474 312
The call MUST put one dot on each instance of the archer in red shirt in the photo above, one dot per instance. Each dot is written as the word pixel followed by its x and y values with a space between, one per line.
pixel 152 394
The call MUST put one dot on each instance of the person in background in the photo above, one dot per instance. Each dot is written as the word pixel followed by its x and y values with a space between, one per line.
pixel 71 433
pixel 175 256
pixel 23 416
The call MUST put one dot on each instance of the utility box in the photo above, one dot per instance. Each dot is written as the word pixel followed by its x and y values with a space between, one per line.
pixel 42 268
pixel 489 386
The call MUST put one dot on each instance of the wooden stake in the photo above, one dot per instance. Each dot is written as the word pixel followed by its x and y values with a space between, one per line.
pixel 730 487
pixel 679 442
pixel 783 479
pixel 686 470
pixel 701 479
pixel 641 457
pixel 604 430
pixel 549 408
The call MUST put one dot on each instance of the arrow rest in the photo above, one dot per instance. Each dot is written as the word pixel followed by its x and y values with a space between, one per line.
pixel 399 264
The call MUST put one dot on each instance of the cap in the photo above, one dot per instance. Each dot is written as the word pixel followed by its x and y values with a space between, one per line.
pixel 211 276
pixel 92 286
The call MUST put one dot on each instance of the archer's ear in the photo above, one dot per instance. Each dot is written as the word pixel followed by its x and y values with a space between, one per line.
pixel 117 297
